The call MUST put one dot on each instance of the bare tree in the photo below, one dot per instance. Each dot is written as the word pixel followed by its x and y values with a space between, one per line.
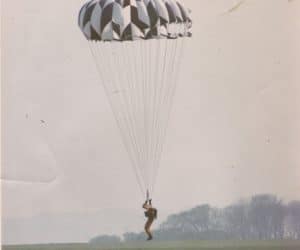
pixel 237 221
pixel 266 215
pixel 293 220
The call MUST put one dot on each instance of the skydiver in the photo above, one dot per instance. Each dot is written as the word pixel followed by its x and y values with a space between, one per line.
pixel 151 214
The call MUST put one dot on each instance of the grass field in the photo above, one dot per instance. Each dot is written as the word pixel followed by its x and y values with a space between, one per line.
pixel 180 245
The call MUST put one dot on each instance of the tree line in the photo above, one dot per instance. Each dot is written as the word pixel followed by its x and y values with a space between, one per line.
pixel 262 217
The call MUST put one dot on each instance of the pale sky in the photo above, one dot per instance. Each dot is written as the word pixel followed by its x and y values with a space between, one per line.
pixel 234 128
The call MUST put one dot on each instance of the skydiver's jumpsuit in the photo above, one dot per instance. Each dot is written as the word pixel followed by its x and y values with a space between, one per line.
pixel 151 215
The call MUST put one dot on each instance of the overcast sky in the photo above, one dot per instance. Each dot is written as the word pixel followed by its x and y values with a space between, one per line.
pixel 234 129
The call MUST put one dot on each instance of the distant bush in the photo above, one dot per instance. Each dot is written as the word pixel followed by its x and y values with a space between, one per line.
pixel 105 240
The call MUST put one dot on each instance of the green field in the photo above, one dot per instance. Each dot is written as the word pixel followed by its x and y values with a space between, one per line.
pixel 180 245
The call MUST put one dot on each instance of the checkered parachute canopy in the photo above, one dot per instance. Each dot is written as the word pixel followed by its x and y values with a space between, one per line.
pixel 120 20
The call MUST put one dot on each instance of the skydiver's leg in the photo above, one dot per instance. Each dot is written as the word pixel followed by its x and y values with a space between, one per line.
pixel 147 228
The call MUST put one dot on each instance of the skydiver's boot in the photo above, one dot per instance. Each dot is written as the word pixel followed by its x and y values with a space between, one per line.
pixel 150 237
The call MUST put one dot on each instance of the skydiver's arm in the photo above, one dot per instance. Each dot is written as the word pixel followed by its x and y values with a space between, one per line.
pixel 145 205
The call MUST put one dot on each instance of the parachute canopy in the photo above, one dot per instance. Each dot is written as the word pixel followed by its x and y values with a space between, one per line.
pixel 119 20
pixel 137 46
